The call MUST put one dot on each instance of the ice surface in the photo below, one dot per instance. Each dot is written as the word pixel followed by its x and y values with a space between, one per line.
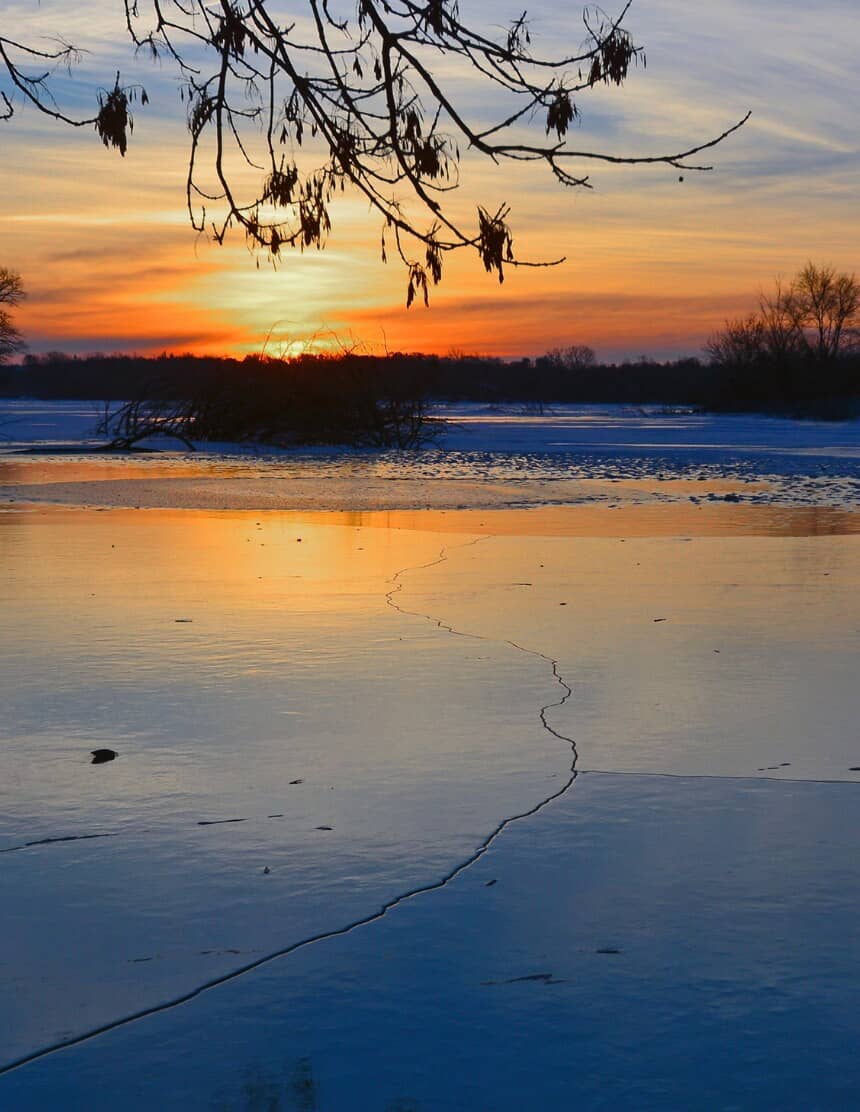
pixel 315 716
pixel 574 454
pixel 514 429
pixel 224 660
pixel 641 943
pixel 730 656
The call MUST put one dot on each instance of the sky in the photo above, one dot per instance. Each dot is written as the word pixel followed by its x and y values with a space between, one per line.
pixel 653 265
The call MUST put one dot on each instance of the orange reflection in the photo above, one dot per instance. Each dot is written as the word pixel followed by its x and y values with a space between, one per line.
pixel 661 520
pixel 643 520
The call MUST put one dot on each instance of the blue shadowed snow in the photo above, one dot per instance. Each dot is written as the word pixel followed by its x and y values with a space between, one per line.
pixel 718 969
pixel 486 445
pixel 341 861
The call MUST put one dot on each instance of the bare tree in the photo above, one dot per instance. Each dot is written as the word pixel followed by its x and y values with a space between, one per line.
pixel 360 84
pixel 816 316
pixel 740 343
pixel 826 309
pixel 574 357
pixel 11 293
pixel 779 332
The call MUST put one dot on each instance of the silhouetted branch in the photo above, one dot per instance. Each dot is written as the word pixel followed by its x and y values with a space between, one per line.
pixel 341 400
pixel 145 418
pixel 330 96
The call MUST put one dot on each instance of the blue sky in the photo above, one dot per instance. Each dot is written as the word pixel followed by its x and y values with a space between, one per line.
pixel 653 264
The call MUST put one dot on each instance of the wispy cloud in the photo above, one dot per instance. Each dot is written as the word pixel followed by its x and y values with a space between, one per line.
pixel 653 263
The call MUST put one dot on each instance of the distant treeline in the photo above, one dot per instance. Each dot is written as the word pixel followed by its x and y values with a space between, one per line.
pixel 788 383
pixel 458 378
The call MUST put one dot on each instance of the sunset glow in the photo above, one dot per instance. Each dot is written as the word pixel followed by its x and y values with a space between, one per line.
pixel 653 264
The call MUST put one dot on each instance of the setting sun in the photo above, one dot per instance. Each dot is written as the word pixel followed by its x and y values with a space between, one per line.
pixel 429 536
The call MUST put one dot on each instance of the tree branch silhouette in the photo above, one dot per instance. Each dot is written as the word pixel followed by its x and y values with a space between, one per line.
pixel 287 109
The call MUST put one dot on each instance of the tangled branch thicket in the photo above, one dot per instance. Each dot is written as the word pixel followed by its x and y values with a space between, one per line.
pixel 303 104
pixel 348 399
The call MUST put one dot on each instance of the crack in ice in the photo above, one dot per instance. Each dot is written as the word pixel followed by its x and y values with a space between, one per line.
pixel 389 905
pixel 60 838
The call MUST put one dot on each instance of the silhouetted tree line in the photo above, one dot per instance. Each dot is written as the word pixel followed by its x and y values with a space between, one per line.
pixel 800 351
pixel 323 389
pixel 452 378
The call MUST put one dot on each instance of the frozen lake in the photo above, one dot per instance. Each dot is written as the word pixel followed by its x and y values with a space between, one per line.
pixel 484 457
pixel 487 808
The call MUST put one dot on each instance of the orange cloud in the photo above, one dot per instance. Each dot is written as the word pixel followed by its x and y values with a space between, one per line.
pixel 653 264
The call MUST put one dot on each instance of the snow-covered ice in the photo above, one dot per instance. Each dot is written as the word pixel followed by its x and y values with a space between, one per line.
pixel 573 455
pixel 641 944
pixel 458 809
pixel 270 710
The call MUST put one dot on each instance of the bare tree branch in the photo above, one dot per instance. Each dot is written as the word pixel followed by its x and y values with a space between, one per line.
pixel 331 96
